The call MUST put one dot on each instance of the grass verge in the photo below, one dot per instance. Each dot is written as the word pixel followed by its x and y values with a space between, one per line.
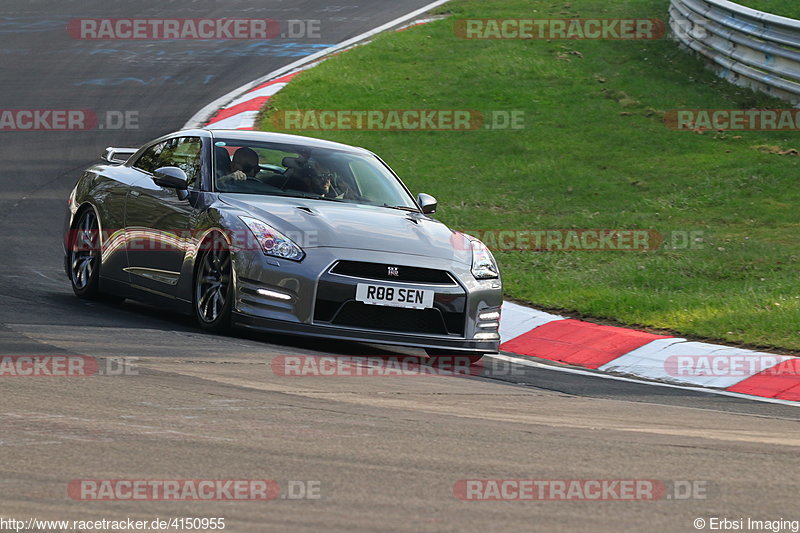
pixel 784 8
pixel 594 153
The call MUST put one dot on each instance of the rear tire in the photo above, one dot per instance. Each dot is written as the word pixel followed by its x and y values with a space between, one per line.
pixel 83 257
pixel 213 286
pixel 438 357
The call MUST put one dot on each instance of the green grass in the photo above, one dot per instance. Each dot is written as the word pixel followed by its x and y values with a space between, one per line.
pixel 594 154
pixel 785 8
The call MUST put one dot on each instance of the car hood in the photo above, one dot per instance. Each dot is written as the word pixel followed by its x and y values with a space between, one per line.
pixel 321 223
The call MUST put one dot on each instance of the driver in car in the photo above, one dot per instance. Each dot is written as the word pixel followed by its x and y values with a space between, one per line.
pixel 317 177
pixel 243 166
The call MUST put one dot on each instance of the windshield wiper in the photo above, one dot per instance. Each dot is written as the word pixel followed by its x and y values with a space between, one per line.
pixel 313 197
pixel 402 208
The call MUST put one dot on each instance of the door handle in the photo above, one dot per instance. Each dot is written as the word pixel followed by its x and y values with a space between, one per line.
pixel 135 193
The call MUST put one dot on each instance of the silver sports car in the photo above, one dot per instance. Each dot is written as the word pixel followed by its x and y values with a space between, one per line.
pixel 280 233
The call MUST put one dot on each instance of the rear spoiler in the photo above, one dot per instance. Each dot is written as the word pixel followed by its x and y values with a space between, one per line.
pixel 118 155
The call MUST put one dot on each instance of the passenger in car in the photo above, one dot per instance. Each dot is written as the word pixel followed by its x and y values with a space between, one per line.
pixel 313 176
pixel 222 161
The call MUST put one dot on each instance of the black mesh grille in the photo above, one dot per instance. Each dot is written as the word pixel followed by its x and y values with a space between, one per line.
pixel 360 315
pixel 454 322
pixel 380 271
pixel 325 309
pixel 357 314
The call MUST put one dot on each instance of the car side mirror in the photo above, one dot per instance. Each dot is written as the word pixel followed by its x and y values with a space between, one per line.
pixel 427 203
pixel 171 177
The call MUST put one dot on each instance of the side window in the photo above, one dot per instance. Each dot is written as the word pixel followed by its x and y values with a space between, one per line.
pixel 182 152
pixel 185 154
pixel 149 160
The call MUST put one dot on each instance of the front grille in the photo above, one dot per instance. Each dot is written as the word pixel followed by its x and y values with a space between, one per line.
pixel 335 302
pixel 357 314
pixel 361 315
pixel 324 310
pixel 380 271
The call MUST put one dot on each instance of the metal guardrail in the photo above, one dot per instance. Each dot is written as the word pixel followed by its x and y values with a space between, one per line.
pixel 747 47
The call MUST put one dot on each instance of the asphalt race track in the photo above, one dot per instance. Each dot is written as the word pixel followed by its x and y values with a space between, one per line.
pixel 385 453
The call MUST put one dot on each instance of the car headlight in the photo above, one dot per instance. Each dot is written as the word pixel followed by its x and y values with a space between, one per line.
pixel 272 241
pixel 483 264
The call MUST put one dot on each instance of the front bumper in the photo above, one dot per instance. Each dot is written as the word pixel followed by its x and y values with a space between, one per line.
pixel 307 298
pixel 379 337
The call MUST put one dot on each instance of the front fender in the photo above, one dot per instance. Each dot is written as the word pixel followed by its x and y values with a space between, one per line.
pixel 212 216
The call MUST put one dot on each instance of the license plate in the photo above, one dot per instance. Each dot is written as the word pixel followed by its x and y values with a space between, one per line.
pixel 394 296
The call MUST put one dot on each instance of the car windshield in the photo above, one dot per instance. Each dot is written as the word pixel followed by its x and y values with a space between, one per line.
pixel 275 169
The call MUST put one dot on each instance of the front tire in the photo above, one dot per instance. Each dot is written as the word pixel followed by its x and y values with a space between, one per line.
pixel 213 287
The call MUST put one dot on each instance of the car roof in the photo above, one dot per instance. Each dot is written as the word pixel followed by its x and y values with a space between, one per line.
pixel 284 138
